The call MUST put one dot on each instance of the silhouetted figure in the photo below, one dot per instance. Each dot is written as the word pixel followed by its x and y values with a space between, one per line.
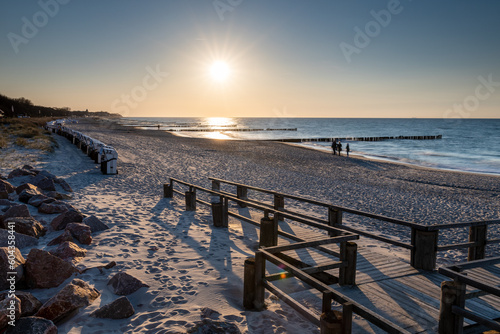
pixel 339 147
pixel 347 149
pixel 334 146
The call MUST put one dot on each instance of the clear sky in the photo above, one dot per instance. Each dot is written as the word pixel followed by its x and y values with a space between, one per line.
pixel 280 58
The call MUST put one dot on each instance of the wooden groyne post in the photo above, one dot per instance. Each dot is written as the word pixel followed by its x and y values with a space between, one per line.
pixel 268 231
pixel 424 249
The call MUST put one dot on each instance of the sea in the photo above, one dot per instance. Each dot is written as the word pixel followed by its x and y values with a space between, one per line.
pixel 468 145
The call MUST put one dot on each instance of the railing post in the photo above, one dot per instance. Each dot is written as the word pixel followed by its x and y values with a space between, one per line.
pixel 215 185
pixel 347 318
pixel 334 220
pixel 331 323
pixel 217 211
pixel 478 234
pixel 249 284
pixel 279 204
pixel 191 199
pixel 225 213
pixel 268 235
pixel 242 193
pixel 348 253
pixel 424 249
pixel 452 294
pixel 168 190
pixel 260 272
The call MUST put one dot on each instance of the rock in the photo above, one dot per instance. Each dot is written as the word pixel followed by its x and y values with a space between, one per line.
pixel 32 325
pixel 44 183
pixel 4 194
pixel 56 195
pixel 20 172
pixel 80 232
pixel 210 326
pixel 66 236
pixel 6 186
pixel 15 266
pixel 121 308
pixel 22 240
pixel 95 224
pixel 44 270
pixel 124 284
pixel 55 207
pixel 27 194
pixel 73 296
pixel 27 186
pixel 48 175
pixel 38 200
pixel 209 313
pixel 29 303
pixel 60 222
pixel 69 251
pixel 16 211
pixel 5 205
pixel 63 184
pixel 10 310
pixel 25 225
pixel 30 168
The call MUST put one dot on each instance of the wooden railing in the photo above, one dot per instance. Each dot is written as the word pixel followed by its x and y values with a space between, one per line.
pixel 256 280
pixel 454 296
pixel 424 238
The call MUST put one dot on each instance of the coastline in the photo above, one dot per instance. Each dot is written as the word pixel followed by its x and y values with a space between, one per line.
pixel 189 264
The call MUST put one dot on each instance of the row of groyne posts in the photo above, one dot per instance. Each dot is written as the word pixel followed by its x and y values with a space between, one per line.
pixel 336 139
pixel 101 153
pixel 424 247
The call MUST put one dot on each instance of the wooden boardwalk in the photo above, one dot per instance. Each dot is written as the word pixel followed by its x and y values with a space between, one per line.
pixel 389 286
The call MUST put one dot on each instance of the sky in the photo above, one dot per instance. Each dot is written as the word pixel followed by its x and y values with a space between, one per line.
pixel 283 58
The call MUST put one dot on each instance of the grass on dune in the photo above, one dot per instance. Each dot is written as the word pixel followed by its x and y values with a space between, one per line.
pixel 27 133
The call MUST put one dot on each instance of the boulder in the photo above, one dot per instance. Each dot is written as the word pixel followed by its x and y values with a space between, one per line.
pixel 73 296
pixel 29 303
pixel 48 175
pixel 44 183
pixel 60 222
pixel 56 195
pixel 5 185
pixel 44 270
pixel 25 225
pixel 80 232
pixel 124 284
pixel 210 326
pixel 63 184
pixel 16 211
pixel 38 200
pixel 27 186
pixel 32 325
pixel 14 266
pixel 66 236
pixel 121 308
pixel 30 168
pixel 95 224
pixel 69 251
pixel 5 189
pixel 10 310
pixel 27 194
pixel 5 205
pixel 55 207
pixel 22 240
pixel 20 172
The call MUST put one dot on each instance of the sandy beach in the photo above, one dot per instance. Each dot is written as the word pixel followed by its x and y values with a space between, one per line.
pixel 190 265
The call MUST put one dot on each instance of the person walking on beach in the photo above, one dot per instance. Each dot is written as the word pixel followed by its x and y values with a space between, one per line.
pixel 334 146
pixel 339 147
pixel 347 149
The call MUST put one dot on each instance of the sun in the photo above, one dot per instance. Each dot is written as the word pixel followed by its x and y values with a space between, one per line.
pixel 220 71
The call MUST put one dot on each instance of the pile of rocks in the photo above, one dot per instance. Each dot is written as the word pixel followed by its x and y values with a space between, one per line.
pixel 33 205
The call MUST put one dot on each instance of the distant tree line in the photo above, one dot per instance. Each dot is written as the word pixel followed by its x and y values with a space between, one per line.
pixel 22 107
